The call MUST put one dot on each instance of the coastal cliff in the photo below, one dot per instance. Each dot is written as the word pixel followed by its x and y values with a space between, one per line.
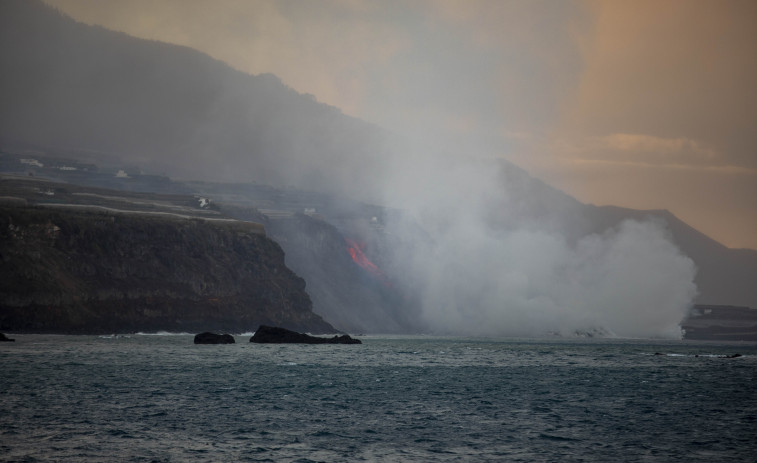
pixel 89 271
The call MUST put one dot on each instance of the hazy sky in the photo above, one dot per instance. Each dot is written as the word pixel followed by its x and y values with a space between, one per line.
pixel 643 104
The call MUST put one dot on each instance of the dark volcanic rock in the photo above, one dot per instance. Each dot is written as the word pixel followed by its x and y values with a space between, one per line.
pixel 213 338
pixel 90 272
pixel 4 338
pixel 276 335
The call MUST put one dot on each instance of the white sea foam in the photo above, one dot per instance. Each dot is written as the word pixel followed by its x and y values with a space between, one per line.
pixel 163 333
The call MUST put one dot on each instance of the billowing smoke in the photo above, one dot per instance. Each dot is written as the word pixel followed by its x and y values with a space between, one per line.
pixel 490 266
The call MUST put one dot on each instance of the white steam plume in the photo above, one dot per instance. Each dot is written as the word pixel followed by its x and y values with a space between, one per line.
pixel 479 277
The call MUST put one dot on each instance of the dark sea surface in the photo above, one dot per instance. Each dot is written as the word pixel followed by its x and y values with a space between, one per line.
pixel 146 398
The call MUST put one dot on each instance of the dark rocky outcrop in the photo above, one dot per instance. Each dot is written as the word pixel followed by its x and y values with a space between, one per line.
pixel 83 271
pixel 213 338
pixel 4 338
pixel 276 335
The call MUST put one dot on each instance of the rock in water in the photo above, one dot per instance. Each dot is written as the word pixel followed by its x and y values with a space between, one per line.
pixel 276 335
pixel 4 338
pixel 212 338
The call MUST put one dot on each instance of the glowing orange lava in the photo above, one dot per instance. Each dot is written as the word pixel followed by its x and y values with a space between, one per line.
pixel 356 251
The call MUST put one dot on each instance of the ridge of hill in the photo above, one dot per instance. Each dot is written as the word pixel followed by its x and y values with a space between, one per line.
pixel 169 108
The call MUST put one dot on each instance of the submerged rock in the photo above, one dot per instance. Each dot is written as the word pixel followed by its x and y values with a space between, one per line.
pixel 213 338
pixel 4 338
pixel 276 335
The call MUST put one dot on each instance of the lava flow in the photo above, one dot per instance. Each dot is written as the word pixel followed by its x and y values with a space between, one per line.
pixel 356 251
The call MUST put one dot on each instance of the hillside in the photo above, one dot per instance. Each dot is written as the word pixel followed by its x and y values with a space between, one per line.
pixel 168 108
pixel 71 268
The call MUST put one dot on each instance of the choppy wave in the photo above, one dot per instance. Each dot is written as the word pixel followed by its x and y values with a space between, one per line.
pixel 160 398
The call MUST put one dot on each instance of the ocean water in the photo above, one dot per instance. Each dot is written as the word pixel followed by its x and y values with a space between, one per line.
pixel 145 398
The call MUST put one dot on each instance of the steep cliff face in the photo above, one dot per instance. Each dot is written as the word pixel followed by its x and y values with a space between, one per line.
pixel 96 272
pixel 354 299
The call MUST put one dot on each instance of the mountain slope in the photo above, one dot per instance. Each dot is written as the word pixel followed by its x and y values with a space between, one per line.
pixel 167 107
